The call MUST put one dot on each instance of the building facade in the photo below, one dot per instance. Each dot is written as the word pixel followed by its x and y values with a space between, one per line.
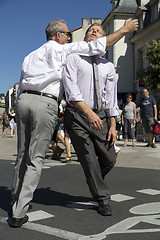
pixel 127 54
pixel 121 54
pixel 148 14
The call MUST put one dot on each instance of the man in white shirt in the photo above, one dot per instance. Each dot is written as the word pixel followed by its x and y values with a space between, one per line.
pixel 88 123
pixel 37 106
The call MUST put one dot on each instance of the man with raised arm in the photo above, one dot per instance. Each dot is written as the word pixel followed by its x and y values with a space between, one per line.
pixel 40 90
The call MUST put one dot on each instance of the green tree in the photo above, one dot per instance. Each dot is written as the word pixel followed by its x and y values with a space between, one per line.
pixel 151 75
pixel 2 95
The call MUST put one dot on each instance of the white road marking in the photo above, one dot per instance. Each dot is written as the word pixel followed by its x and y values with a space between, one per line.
pixel 127 225
pixel 38 215
pixel 48 230
pixel 121 197
pixel 149 191
pixel 54 164
pixel 146 209
pixel 80 206
pixel 53 231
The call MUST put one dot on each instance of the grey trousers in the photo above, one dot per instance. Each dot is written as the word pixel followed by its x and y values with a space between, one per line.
pixel 94 152
pixel 36 117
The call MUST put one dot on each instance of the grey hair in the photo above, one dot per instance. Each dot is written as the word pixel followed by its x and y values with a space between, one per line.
pixel 54 27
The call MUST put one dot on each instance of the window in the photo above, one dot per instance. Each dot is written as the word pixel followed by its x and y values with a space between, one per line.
pixel 154 12
pixel 140 60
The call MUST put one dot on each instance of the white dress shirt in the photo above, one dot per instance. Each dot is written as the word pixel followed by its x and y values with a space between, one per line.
pixel 42 68
pixel 79 82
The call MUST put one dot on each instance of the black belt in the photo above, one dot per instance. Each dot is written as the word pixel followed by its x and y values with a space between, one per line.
pixel 41 94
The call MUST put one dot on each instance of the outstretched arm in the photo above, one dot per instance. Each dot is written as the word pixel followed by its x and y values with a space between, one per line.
pixel 128 27
pixel 100 46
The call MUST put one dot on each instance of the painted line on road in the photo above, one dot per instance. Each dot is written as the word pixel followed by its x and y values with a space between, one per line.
pixel 49 230
pixel 80 206
pixel 53 231
pixel 121 197
pixel 149 191
pixel 38 215
pixel 128 225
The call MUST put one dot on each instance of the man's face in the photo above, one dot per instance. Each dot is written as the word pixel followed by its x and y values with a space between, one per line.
pixel 65 35
pixel 145 93
pixel 94 33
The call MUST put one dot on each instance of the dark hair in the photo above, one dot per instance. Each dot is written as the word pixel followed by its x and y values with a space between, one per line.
pixel 128 95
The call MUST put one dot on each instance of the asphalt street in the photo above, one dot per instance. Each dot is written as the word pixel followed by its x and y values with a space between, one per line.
pixel 63 208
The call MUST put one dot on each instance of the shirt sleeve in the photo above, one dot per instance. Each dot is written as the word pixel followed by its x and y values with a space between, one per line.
pixel 154 101
pixel 69 77
pixel 111 106
pixel 83 48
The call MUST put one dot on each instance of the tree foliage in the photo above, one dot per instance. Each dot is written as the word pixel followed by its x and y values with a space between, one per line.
pixel 151 75
pixel 2 95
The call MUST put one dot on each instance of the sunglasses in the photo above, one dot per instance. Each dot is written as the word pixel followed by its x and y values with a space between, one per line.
pixel 68 34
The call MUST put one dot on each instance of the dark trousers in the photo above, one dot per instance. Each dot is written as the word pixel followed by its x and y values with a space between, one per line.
pixel 93 151
pixel 129 129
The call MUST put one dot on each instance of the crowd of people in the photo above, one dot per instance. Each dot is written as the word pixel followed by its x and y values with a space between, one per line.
pixel 8 121
pixel 135 118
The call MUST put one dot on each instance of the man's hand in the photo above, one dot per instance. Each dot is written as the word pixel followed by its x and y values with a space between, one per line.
pixel 94 120
pixel 112 135
pixel 130 25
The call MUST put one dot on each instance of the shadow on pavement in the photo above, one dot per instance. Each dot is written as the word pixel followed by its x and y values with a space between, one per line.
pixel 5 199
pixel 47 196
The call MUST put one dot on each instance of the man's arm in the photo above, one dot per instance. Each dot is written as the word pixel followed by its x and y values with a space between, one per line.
pixel 100 46
pixel 128 27
pixel 93 118
pixel 112 135
pixel 155 112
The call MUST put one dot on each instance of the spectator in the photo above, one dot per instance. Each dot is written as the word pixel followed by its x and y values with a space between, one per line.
pixel 129 120
pixel 5 123
pixel 148 116
pixel 13 125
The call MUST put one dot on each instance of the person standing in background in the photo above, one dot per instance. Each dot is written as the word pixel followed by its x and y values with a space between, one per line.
pixel 5 123
pixel 148 115
pixel 12 122
pixel 129 120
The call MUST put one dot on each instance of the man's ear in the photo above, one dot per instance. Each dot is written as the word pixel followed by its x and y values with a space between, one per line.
pixel 58 36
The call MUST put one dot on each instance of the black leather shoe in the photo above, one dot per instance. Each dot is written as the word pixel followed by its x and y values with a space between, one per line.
pixel 104 209
pixel 17 222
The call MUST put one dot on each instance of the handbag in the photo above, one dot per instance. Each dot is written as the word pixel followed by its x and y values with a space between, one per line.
pixel 156 128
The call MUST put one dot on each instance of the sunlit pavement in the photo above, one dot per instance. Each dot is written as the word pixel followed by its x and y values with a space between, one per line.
pixel 63 207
